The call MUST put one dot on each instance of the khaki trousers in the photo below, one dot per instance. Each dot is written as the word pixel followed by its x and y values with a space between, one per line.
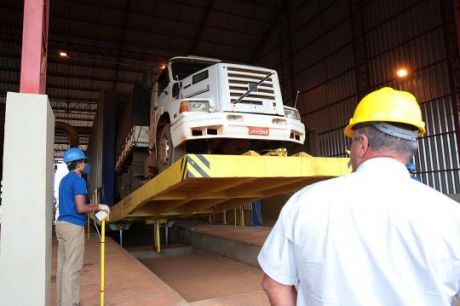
pixel 71 248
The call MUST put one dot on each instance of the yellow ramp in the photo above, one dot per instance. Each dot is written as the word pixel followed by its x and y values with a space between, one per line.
pixel 202 183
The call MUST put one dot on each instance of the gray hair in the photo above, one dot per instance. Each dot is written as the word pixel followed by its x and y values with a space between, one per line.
pixel 380 141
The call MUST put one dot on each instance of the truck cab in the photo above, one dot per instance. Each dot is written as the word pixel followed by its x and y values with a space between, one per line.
pixel 202 105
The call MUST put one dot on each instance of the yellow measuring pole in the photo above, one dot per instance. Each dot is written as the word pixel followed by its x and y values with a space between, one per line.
pixel 102 253
pixel 88 227
pixel 102 263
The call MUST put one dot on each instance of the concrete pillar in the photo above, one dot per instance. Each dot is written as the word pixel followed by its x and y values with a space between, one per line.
pixel 27 202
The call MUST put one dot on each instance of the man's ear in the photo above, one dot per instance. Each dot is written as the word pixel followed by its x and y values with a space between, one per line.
pixel 365 142
pixel 363 145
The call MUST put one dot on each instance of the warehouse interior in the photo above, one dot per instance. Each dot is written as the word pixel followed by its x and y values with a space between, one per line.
pixel 328 55
pixel 332 52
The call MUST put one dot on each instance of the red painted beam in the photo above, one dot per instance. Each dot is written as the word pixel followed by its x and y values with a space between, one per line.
pixel 34 47
pixel 457 18
pixel 456 99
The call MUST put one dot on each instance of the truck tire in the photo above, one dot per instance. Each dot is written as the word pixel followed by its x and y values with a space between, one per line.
pixel 166 152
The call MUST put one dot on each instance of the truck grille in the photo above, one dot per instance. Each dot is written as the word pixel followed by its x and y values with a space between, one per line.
pixel 239 80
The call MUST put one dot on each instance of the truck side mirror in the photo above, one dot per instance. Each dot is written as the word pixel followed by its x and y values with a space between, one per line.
pixel 176 90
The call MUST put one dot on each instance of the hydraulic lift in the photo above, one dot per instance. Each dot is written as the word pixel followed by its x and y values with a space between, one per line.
pixel 210 184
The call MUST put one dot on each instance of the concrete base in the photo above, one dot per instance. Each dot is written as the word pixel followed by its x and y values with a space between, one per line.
pixel 27 202
pixel 239 243
pixel 229 248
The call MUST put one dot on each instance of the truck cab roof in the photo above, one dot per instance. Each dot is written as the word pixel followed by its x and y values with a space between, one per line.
pixel 193 58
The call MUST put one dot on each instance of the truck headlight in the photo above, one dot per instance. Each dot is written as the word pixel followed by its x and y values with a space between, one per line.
pixel 291 113
pixel 194 106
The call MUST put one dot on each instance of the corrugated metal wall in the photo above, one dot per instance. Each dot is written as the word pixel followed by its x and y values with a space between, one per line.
pixel 339 50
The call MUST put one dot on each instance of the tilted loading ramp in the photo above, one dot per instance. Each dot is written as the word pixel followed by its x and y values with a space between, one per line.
pixel 202 183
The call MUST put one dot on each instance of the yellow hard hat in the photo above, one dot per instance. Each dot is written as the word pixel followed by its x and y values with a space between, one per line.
pixel 387 105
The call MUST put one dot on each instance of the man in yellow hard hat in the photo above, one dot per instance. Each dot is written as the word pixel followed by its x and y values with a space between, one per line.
pixel 373 237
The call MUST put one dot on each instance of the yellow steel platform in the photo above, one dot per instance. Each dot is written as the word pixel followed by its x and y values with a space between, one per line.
pixel 201 183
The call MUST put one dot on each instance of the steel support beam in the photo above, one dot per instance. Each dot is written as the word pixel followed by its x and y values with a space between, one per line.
pixel 34 47
pixel 264 37
pixel 121 43
pixel 359 48
pixel 455 73
pixel 451 29
pixel 179 2
pixel 285 44
pixel 204 20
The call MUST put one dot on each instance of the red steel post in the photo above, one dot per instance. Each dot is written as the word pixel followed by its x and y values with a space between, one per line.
pixel 456 99
pixel 34 47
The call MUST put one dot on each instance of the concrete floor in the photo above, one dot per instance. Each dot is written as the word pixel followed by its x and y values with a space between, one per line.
pixel 196 278
pixel 128 282
pixel 208 279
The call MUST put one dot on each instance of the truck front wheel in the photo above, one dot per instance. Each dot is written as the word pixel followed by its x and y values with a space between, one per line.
pixel 166 152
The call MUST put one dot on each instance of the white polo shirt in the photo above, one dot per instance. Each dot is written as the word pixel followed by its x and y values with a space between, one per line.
pixel 373 237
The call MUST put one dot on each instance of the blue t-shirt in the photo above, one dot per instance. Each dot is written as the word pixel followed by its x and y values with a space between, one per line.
pixel 71 185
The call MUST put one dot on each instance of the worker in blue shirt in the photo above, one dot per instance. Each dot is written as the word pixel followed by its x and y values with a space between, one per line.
pixel 70 227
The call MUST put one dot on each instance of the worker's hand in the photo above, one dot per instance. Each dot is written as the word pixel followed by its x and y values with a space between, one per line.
pixel 104 207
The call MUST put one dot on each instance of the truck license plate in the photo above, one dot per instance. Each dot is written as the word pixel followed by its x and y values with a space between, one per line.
pixel 262 131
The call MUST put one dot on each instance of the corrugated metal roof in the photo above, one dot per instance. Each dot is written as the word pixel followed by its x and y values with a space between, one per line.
pixel 111 43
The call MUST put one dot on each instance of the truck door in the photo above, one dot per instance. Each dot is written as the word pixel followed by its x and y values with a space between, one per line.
pixel 163 89
pixel 160 92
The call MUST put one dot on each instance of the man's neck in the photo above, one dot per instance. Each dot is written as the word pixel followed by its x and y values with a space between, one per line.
pixel 370 154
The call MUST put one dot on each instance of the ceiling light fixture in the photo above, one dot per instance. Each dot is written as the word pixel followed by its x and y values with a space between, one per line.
pixel 402 72
pixel 63 54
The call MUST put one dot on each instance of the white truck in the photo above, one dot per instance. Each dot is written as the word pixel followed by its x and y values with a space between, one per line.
pixel 202 105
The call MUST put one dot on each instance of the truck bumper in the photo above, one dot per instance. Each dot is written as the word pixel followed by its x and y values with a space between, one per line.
pixel 192 126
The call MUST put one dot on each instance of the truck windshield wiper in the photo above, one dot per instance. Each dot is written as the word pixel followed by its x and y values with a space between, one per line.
pixel 252 87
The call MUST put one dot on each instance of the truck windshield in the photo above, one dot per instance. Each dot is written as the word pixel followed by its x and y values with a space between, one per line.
pixel 183 70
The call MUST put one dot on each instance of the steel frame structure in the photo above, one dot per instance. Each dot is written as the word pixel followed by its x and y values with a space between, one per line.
pixel 34 47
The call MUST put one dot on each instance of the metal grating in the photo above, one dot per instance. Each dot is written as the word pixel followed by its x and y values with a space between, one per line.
pixel 239 80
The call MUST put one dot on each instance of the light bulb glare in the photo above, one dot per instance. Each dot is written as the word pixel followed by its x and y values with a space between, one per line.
pixel 402 72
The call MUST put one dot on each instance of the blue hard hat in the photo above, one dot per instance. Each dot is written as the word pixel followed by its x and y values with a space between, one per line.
pixel 74 154
pixel 410 166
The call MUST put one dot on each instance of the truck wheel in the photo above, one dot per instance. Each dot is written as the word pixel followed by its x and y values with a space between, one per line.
pixel 166 153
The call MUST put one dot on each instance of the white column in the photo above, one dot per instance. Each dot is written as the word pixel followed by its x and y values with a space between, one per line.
pixel 27 202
